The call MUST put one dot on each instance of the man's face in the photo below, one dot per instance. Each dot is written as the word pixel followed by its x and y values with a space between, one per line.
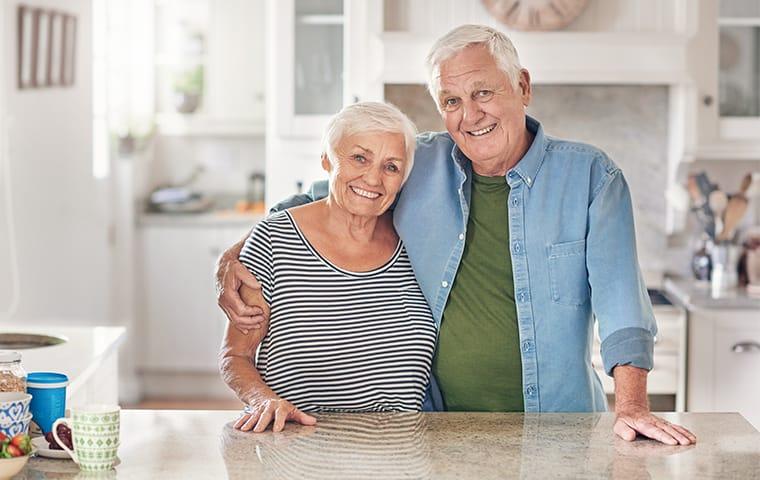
pixel 483 113
pixel 367 173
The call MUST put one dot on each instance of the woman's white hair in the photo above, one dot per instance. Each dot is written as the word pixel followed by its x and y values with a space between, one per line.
pixel 501 48
pixel 372 117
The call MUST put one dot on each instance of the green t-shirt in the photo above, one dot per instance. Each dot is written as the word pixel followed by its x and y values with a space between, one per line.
pixel 477 363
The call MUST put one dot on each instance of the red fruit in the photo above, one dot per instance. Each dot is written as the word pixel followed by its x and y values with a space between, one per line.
pixel 22 442
pixel 3 438
pixel 15 451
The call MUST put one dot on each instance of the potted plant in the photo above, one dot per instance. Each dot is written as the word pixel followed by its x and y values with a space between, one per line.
pixel 188 89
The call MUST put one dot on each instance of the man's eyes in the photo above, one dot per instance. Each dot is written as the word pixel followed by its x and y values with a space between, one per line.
pixel 483 94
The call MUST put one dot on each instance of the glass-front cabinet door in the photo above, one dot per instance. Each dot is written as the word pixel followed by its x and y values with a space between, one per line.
pixel 739 72
pixel 310 61
pixel 318 57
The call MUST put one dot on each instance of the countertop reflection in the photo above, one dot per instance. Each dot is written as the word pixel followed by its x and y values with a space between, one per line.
pixel 202 444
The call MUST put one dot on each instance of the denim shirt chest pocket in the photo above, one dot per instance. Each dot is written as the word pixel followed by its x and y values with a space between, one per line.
pixel 568 276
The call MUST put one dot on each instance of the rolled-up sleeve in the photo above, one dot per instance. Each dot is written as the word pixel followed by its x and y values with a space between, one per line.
pixel 619 296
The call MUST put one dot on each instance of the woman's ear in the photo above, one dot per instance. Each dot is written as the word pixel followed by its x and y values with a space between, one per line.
pixel 326 165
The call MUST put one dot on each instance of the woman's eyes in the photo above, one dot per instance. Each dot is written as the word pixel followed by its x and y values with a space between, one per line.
pixel 359 158
pixel 392 168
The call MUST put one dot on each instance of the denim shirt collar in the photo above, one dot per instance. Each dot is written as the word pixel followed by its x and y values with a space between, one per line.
pixel 528 166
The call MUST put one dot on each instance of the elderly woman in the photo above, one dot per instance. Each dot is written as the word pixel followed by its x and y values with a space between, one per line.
pixel 349 329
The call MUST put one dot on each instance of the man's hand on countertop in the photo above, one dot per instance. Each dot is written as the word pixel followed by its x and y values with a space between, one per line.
pixel 632 419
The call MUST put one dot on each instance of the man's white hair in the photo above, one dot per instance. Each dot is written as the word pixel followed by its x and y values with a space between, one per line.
pixel 370 117
pixel 501 48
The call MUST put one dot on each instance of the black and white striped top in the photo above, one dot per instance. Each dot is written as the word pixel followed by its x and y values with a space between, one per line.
pixel 339 340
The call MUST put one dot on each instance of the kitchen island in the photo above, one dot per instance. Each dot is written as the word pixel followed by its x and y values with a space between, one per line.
pixel 175 444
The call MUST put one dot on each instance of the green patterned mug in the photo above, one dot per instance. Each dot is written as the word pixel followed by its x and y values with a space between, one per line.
pixel 95 433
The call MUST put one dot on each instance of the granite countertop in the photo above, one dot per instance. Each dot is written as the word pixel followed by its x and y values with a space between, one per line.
pixel 694 295
pixel 78 357
pixel 202 444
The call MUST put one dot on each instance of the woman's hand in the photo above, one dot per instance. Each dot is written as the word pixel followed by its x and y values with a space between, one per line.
pixel 277 410
pixel 230 276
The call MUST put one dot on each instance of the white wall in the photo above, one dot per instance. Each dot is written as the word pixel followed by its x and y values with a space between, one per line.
pixel 61 211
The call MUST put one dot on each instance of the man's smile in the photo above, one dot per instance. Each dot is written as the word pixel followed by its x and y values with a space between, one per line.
pixel 482 131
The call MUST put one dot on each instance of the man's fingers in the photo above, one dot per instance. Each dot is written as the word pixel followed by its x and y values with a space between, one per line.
pixel 302 418
pixel 685 432
pixel 264 420
pixel 649 429
pixel 246 278
pixel 233 302
pixel 624 431
pixel 680 438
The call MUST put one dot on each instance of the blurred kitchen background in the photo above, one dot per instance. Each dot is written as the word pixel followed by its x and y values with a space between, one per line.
pixel 179 122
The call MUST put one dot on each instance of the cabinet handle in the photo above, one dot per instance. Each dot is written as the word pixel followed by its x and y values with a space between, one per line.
pixel 744 347
pixel 707 100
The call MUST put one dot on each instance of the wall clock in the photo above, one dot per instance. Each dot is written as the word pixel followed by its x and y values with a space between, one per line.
pixel 535 14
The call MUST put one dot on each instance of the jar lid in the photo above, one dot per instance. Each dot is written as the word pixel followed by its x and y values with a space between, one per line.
pixel 46 380
pixel 7 356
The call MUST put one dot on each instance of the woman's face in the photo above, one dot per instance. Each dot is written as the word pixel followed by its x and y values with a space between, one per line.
pixel 367 173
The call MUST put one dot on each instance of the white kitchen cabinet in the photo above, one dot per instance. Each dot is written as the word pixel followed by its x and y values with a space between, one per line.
pixel 723 62
pixel 182 323
pixel 316 54
pixel 225 39
pixel 724 361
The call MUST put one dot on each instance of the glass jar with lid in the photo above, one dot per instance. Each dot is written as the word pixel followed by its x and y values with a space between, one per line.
pixel 12 374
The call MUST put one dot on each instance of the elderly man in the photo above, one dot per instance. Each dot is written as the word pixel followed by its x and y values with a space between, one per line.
pixel 518 240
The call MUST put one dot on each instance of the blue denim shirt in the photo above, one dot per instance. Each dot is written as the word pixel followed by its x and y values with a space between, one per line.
pixel 574 259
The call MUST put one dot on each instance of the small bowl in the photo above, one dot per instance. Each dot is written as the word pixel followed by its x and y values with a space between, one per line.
pixel 14 406
pixel 11 429
pixel 11 466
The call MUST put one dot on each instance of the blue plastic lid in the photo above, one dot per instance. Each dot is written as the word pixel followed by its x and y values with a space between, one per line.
pixel 46 380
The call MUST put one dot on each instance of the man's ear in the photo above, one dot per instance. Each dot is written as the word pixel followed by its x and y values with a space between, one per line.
pixel 326 165
pixel 526 90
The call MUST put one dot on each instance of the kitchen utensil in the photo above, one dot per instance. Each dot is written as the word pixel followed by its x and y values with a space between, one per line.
pixel 753 189
pixel 701 207
pixel 48 391
pixel 95 433
pixel 735 210
pixel 705 187
pixel 718 200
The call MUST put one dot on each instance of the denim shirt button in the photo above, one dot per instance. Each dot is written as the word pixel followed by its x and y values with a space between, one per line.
pixel 461 236
pixel 531 390
pixel 515 201
pixel 517 247
pixel 444 284
pixel 521 296
pixel 527 346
